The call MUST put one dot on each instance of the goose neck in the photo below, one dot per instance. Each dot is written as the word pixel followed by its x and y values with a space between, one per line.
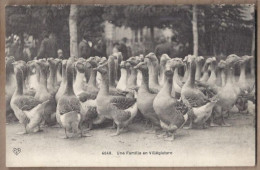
pixel 64 74
pixel 43 81
pixel 191 79
pixel 80 77
pixel 242 72
pixel 198 71
pixel 145 81
pixel 104 88
pixel 153 74
pixel 167 88
pixel 19 83
pixel 69 84
pixel 92 78
pixel 53 76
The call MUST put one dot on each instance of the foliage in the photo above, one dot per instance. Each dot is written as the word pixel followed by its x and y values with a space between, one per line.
pixel 90 21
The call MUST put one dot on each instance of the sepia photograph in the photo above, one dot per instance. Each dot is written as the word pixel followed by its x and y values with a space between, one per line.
pixel 130 85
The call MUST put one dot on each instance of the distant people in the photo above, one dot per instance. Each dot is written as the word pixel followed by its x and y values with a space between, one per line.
pixel 85 47
pixel 128 47
pixel 48 47
pixel 15 47
pixel 123 48
pixel 60 54
pixel 100 47
pixel 137 49
pixel 115 47
pixel 164 48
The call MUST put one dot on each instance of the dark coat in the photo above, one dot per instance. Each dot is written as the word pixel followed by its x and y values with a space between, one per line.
pixel 85 51
pixel 48 48
pixel 165 48
pixel 100 49
pixel 123 49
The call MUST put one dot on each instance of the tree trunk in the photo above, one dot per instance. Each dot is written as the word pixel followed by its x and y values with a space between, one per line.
pixel 141 34
pixel 253 43
pixel 73 31
pixel 252 64
pixel 152 36
pixel 136 35
pixel 21 47
pixel 195 30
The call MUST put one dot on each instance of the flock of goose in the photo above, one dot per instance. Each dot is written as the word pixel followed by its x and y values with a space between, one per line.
pixel 77 93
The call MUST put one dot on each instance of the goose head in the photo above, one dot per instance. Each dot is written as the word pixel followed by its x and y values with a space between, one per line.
pixel 142 66
pixel 43 65
pixel 64 64
pixel 141 57
pixel 199 60
pixel 212 63
pixel 151 59
pixel 222 64
pixel 80 65
pixel 102 60
pixel 164 58
pixel 31 65
pixel 133 61
pixel 92 62
pixel 171 65
pixel 233 59
pixel 18 68
pixel 125 65
pixel 23 66
pixel 191 65
pixel 9 61
pixel 102 68
pixel 53 63
pixel 245 59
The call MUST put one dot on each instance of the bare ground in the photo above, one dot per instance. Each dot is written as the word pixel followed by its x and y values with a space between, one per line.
pixel 215 146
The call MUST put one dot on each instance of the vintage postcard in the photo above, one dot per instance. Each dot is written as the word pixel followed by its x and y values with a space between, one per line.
pixel 130 85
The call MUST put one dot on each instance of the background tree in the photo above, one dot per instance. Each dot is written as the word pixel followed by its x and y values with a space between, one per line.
pixel 90 21
pixel 73 30
pixel 195 30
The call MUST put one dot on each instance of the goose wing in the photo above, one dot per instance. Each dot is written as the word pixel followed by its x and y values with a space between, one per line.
pixel 153 90
pixel 122 103
pixel 26 103
pixel 84 96
pixel 69 104
pixel 195 98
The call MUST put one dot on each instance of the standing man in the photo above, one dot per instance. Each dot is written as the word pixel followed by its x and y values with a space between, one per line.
pixel 123 48
pixel 60 54
pixel 48 47
pixel 85 48
pixel 163 48
pixel 100 47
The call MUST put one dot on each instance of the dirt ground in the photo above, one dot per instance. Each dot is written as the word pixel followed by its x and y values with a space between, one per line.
pixel 215 146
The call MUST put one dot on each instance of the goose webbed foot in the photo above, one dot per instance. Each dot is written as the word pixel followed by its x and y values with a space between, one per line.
pixel 212 124
pixel 21 133
pixel 150 131
pixel 164 134
pixel 205 126
pixel 85 135
pixel 224 124
pixel 56 126
pixel 89 126
pixel 117 132
pixel 190 126
pixel 66 136
pixel 170 137
pixel 113 126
